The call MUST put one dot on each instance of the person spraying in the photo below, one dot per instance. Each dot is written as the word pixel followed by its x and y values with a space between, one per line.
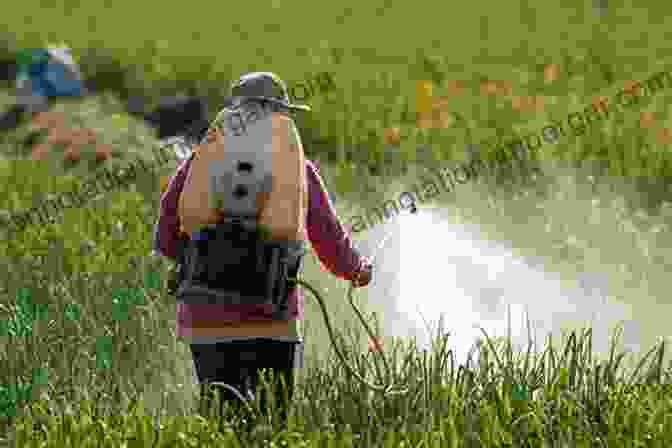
pixel 235 217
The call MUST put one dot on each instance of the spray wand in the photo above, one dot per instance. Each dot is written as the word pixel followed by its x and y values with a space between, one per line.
pixel 386 390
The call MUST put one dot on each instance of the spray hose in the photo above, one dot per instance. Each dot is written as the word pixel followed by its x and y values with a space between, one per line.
pixel 386 390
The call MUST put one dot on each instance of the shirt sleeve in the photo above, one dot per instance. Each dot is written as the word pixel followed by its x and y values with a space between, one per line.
pixel 167 226
pixel 327 235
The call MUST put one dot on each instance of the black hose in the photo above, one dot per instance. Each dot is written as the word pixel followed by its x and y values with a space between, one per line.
pixel 387 390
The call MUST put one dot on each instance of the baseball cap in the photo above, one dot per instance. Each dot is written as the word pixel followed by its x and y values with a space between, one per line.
pixel 264 86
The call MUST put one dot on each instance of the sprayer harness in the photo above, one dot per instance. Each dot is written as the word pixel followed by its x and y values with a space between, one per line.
pixel 217 262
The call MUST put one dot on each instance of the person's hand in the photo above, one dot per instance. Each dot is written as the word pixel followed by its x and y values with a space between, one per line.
pixel 363 277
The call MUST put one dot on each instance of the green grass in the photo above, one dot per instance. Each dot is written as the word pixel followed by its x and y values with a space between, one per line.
pixel 563 396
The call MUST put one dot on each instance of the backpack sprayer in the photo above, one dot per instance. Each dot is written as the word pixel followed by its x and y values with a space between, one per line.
pixel 183 151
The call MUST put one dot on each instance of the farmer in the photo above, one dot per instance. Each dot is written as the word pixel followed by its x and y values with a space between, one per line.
pixel 231 343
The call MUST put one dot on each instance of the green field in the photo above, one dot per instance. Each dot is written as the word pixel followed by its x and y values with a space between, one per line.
pixel 564 396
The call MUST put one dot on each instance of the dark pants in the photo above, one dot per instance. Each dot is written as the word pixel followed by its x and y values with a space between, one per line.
pixel 237 364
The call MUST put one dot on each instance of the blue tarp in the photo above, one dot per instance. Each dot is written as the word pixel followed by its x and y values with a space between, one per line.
pixel 48 73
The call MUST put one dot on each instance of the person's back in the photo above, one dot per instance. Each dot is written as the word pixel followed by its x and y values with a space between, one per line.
pixel 267 142
pixel 218 331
